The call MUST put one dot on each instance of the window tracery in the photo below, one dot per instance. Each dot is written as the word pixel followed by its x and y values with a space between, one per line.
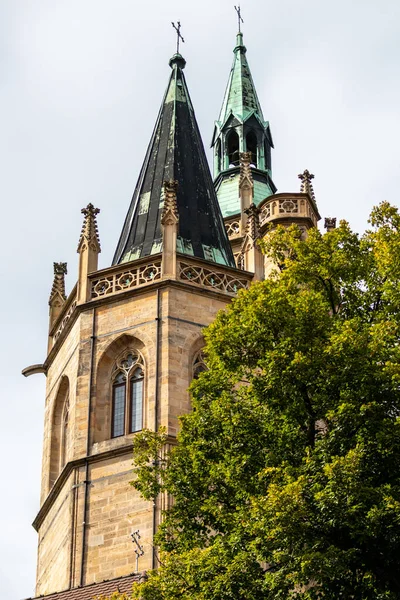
pixel 199 364
pixel 127 394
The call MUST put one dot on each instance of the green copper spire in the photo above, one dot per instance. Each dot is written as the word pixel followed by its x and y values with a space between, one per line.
pixel 240 97
pixel 241 128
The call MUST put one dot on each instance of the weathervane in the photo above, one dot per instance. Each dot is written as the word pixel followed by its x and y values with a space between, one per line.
pixel 178 35
pixel 239 14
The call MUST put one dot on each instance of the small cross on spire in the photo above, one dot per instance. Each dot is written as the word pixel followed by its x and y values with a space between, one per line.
pixel 178 34
pixel 239 14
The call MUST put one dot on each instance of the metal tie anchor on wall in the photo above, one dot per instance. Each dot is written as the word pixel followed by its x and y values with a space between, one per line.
pixel 138 549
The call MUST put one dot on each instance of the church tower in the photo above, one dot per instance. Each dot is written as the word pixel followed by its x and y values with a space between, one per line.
pixel 242 144
pixel 123 348
pixel 241 128
pixel 125 344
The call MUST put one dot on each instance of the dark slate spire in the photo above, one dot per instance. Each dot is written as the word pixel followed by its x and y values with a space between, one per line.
pixel 175 152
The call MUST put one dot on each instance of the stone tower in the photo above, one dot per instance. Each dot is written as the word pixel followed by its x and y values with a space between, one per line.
pixel 125 344
pixel 123 348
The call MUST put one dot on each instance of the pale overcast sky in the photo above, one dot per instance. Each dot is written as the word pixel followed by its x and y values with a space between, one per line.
pixel 80 86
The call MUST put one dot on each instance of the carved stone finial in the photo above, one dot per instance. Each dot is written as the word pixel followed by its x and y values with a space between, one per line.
pixel 253 223
pixel 330 223
pixel 250 257
pixel 246 177
pixel 306 186
pixel 170 213
pixel 90 233
pixel 57 295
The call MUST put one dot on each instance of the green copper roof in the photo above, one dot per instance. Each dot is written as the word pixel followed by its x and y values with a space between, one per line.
pixel 228 192
pixel 240 96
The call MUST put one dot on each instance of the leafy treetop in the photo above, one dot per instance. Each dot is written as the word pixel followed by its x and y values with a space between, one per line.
pixel 285 477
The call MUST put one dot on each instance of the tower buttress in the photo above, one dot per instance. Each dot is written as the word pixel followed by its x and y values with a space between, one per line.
pixel 250 256
pixel 169 222
pixel 246 187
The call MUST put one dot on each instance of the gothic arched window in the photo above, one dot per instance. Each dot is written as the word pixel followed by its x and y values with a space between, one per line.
pixel 127 395
pixel 64 434
pixel 267 155
pixel 60 430
pixel 233 149
pixel 217 158
pixel 251 146
pixel 199 364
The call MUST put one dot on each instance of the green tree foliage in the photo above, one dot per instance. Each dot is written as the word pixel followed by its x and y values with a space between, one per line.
pixel 286 474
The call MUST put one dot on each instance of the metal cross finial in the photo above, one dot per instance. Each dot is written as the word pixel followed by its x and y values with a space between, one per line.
pixel 178 34
pixel 239 14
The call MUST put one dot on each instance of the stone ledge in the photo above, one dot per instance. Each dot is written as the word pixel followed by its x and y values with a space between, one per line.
pixel 73 464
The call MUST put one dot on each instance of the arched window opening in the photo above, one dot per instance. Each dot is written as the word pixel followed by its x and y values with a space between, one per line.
pixel 127 395
pixel 217 158
pixel 60 430
pixel 267 155
pixel 119 395
pixel 199 364
pixel 233 149
pixel 136 408
pixel 251 146
pixel 64 434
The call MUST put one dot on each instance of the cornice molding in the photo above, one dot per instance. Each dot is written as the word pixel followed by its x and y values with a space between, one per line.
pixel 74 464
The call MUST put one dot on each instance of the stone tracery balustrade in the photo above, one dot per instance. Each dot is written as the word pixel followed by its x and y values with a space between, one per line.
pixel 120 278
pixel 233 228
pixel 280 207
pixel 289 206
pixel 64 320
pixel 125 279
pixel 197 274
